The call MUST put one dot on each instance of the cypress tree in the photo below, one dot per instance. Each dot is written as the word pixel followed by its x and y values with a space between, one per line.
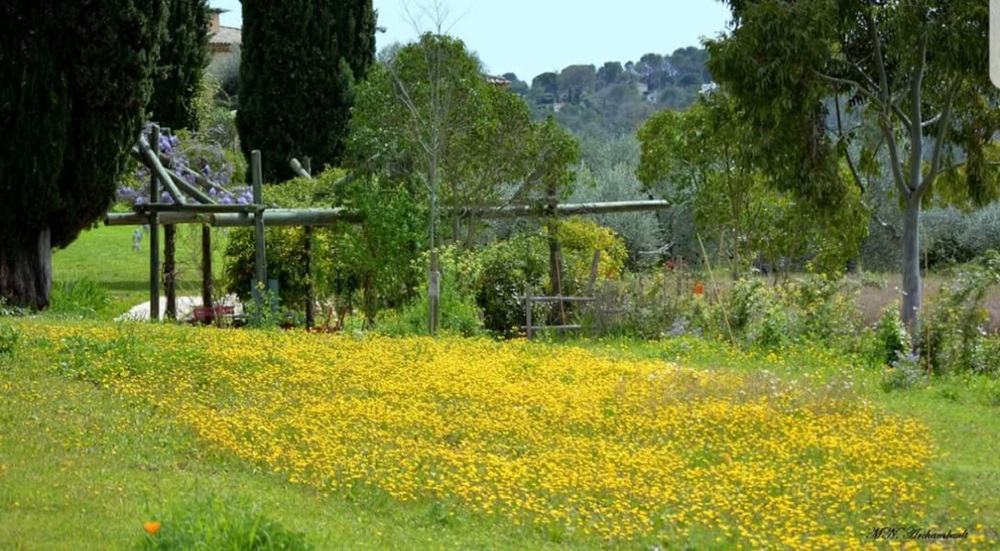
pixel 300 60
pixel 183 57
pixel 75 78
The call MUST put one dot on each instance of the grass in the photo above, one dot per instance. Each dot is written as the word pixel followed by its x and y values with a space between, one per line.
pixel 80 465
pixel 104 255
pixel 961 411
pixel 82 458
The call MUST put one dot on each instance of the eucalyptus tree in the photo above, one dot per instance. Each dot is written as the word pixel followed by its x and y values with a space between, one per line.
pixel 701 157
pixel 917 70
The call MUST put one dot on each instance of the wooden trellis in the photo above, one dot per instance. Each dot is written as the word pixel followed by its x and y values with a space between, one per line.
pixel 193 206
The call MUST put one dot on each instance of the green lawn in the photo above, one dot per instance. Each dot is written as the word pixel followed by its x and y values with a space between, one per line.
pixel 105 256
pixel 78 465
pixel 82 469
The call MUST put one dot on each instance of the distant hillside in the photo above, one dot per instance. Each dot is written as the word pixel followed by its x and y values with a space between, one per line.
pixel 615 99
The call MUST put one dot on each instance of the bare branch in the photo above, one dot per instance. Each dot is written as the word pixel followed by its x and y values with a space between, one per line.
pixel 853 84
pixel 847 154
pixel 931 121
pixel 901 115
pixel 941 132
pixel 437 12
pixel 879 59
pixel 894 161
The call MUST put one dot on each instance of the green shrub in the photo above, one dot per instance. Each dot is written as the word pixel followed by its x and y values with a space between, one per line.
pixel 459 313
pixel 943 236
pixel 982 232
pixel 953 334
pixel 79 297
pixel 9 337
pixel 758 315
pixel 284 246
pixel 374 260
pixel 903 373
pixel 891 337
pixel 812 308
pixel 506 268
pixel 881 251
pixel 215 523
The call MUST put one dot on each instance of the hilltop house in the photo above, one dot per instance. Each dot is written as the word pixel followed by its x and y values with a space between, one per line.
pixel 223 42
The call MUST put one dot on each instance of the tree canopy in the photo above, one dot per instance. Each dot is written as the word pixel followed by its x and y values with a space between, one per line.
pixel 75 79
pixel 811 75
pixel 428 117
pixel 700 157
pixel 183 57
pixel 300 61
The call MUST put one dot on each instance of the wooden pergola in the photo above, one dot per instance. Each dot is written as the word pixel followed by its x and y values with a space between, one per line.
pixel 192 205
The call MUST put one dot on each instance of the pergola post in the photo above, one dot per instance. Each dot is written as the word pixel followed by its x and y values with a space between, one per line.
pixel 310 291
pixel 154 234
pixel 206 269
pixel 434 294
pixel 170 270
pixel 260 258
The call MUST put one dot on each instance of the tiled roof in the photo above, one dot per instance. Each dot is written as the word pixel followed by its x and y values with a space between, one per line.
pixel 226 35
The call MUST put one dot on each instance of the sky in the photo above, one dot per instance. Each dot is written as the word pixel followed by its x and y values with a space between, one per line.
pixel 529 37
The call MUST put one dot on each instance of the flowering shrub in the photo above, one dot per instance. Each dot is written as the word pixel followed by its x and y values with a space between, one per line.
pixel 579 238
pixel 190 153
pixel 564 439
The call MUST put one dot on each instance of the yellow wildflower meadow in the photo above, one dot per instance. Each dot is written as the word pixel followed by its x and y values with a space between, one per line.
pixel 553 436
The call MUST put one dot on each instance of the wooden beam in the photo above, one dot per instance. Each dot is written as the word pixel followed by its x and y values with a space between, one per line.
pixel 199 178
pixel 152 161
pixel 202 214
pixel 272 217
pixel 198 194
pixel 170 270
pixel 206 268
pixel 310 287
pixel 167 207
pixel 569 209
pixel 299 170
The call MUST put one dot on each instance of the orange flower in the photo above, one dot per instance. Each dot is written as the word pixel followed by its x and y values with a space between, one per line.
pixel 151 527
pixel 699 288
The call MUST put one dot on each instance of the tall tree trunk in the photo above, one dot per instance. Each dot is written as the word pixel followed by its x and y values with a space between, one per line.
pixel 912 291
pixel 26 269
